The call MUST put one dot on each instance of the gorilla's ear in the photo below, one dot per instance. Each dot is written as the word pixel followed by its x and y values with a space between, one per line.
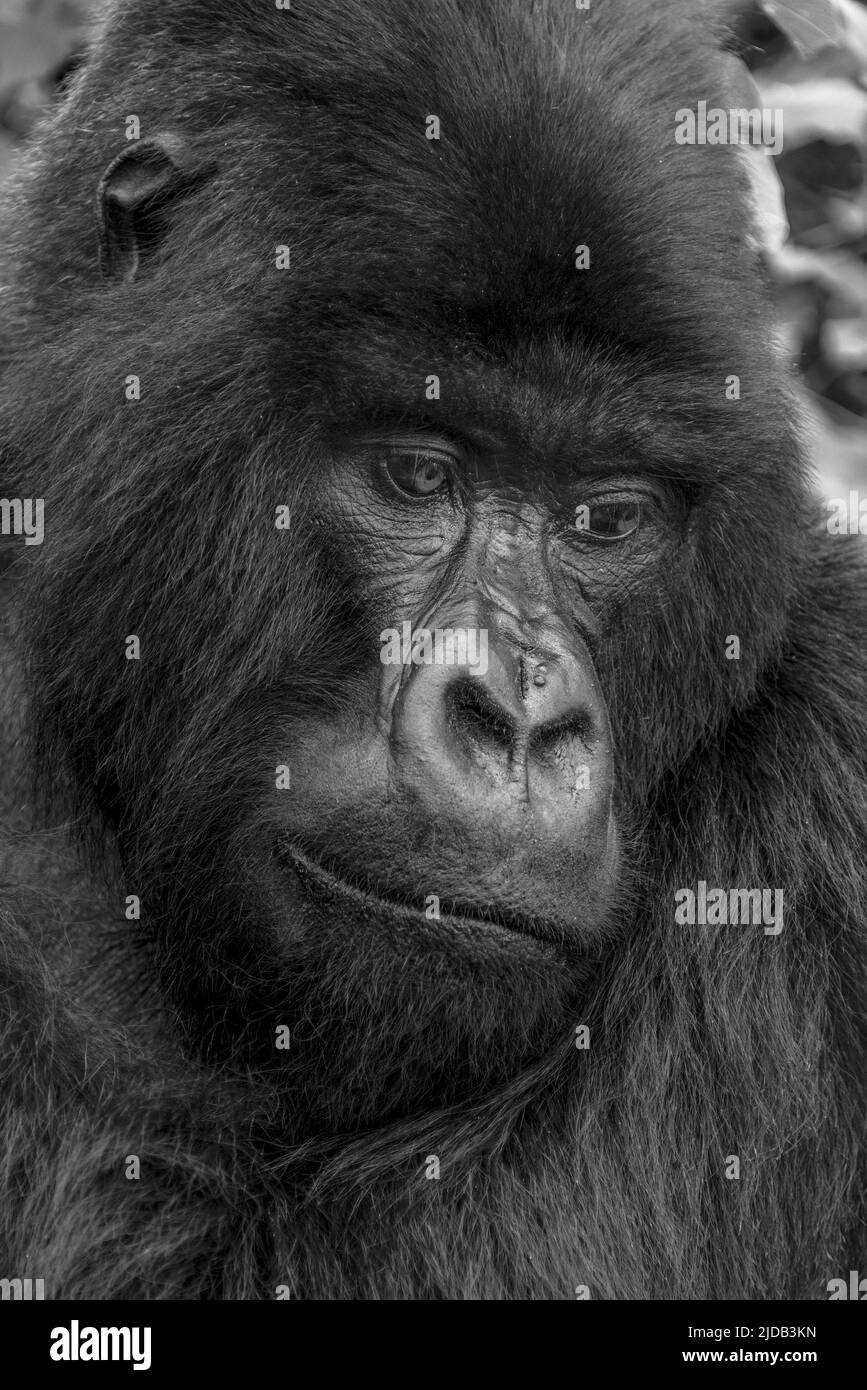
pixel 133 198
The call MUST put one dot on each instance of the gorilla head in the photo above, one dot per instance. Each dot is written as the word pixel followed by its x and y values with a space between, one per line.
pixel 413 404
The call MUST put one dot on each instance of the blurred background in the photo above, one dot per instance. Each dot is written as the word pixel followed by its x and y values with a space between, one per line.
pixel 808 57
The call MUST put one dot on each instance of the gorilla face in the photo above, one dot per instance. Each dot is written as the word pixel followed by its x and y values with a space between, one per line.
pixel 485 777
pixel 456 817
pixel 449 831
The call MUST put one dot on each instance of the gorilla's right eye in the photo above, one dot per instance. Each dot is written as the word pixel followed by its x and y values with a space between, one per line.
pixel 418 471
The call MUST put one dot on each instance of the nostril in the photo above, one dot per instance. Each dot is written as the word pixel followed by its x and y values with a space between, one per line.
pixel 475 715
pixel 558 735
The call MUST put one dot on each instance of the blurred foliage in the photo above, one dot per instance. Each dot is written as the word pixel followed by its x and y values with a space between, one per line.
pixel 808 57
pixel 816 72
pixel 39 42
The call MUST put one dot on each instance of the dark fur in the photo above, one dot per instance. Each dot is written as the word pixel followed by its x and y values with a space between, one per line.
pixel 604 1169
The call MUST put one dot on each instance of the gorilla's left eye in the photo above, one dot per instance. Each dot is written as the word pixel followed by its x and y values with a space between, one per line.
pixel 418 471
pixel 608 518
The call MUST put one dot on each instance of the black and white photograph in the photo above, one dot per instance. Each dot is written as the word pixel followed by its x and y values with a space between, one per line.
pixel 433 663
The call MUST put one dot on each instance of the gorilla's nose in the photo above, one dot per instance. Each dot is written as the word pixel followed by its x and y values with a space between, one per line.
pixel 523 731
pixel 524 709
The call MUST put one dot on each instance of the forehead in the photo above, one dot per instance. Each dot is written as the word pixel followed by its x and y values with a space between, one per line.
pixel 555 130
pixel 555 208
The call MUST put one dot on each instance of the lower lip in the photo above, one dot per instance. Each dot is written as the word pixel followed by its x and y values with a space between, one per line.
pixel 312 873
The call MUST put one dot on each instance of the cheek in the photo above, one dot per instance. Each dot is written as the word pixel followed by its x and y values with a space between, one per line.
pixel 390 553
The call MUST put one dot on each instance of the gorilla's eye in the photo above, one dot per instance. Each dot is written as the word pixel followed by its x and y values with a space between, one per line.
pixel 418 471
pixel 608 518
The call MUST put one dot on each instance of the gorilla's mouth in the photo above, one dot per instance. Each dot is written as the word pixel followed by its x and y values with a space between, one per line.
pixel 323 880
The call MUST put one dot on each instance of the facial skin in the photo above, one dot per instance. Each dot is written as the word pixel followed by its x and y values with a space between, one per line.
pixel 496 791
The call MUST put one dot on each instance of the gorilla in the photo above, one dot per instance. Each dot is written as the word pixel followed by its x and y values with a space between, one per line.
pixel 434 727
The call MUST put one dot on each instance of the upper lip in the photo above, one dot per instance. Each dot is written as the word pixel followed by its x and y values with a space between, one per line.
pixel 466 913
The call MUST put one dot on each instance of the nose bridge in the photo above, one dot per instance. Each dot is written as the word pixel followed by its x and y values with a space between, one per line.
pixel 513 580
pixel 535 674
